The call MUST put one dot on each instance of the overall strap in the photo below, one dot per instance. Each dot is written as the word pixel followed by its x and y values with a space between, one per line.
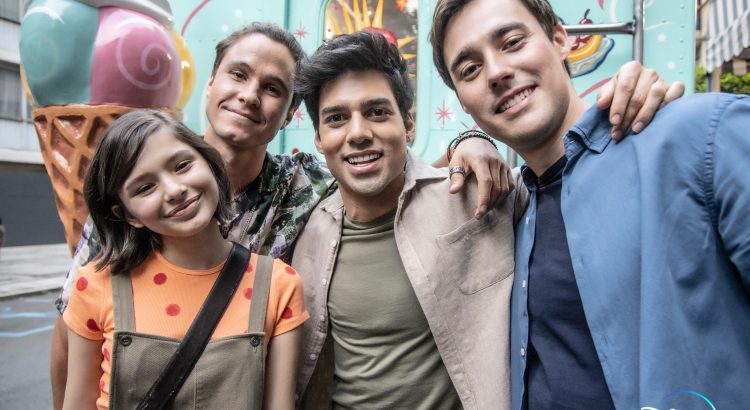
pixel 258 307
pixel 122 302
pixel 261 287
pixel 192 345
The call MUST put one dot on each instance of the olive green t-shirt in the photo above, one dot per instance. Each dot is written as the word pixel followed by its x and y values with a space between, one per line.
pixel 384 352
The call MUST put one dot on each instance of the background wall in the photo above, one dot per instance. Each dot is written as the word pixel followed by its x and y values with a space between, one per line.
pixel 27 208
pixel 669 48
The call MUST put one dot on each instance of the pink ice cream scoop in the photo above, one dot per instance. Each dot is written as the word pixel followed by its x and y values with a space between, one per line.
pixel 135 62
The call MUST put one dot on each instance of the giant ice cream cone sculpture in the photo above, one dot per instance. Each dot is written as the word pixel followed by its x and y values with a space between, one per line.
pixel 84 63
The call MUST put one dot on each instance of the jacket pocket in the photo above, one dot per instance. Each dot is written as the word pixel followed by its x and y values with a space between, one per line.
pixel 479 253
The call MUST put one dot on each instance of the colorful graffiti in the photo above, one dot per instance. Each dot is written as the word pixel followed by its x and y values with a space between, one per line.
pixel 397 21
pixel 587 52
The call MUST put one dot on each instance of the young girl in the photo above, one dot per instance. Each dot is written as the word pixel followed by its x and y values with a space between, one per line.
pixel 157 194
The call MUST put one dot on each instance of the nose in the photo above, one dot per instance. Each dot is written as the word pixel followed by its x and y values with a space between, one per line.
pixel 249 94
pixel 359 130
pixel 173 190
pixel 498 71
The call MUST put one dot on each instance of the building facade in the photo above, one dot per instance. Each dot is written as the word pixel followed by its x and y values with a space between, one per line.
pixel 722 39
pixel 27 205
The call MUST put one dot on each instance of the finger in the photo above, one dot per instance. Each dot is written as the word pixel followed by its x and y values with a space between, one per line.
pixel 675 91
pixel 653 101
pixel 511 181
pixel 457 179
pixel 627 79
pixel 485 185
pixel 647 78
pixel 499 184
pixel 604 97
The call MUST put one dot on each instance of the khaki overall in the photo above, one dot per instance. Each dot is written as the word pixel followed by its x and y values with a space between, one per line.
pixel 228 375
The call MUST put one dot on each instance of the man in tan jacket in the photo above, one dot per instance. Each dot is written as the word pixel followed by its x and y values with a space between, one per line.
pixel 407 291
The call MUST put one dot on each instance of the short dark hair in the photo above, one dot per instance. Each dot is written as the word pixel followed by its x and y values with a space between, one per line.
pixel 123 246
pixel 360 51
pixel 446 10
pixel 273 32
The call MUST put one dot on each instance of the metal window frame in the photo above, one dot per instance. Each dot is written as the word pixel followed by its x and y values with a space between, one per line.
pixel 634 28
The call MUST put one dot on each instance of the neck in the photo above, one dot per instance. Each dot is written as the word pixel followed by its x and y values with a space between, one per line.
pixel 243 165
pixel 367 208
pixel 203 250
pixel 543 156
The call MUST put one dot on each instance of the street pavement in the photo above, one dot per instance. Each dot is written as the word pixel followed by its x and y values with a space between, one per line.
pixel 30 277
pixel 32 269
pixel 25 336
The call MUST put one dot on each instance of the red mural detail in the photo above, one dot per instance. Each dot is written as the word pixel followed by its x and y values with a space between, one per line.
pixel 594 87
pixel 388 34
pixel 299 115
pixel 444 113
pixel 301 32
pixel 192 14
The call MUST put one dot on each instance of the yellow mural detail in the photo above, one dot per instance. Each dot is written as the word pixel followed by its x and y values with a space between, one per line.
pixel 378 21
pixel 357 17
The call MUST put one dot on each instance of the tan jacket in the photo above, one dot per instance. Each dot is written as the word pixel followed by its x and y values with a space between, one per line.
pixel 461 270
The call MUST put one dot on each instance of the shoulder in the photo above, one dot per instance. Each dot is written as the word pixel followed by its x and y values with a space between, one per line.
pixel 323 222
pixel 287 162
pixel 90 301
pixel 283 277
pixel 301 170
pixel 90 274
pixel 701 108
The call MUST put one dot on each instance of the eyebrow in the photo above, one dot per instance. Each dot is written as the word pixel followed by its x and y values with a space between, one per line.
pixel 246 67
pixel 366 104
pixel 498 33
pixel 376 101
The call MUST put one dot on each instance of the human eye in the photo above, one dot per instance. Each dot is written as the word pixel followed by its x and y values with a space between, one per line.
pixel 469 71
pixel 237 75
pixel 513 42
pixel 379 113
pixel 335 119
pixel 183 165
pixel 143 189
pixel 273 89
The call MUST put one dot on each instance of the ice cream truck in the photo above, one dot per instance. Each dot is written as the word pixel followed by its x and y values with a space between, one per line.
pixel 604 35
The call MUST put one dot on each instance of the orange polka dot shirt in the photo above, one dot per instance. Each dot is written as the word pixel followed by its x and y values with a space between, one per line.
pixel 167 298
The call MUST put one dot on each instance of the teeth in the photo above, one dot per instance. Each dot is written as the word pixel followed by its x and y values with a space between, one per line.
pixel 362 158
pixel 516 99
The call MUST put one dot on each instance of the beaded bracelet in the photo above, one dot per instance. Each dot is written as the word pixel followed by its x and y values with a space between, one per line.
pixel 464 136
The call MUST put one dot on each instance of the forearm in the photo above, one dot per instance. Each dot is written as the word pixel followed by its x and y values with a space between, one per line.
pixel 281 370
pixel 82 385
pixel 58 368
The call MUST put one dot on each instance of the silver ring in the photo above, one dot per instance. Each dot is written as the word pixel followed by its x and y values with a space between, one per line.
pixel 456 170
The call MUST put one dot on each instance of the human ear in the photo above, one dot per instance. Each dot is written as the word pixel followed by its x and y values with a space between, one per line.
pixel 318 144
pixel 560 40
pixel 410 127
pixel 208 85
pixel 122 214
pixel 289 116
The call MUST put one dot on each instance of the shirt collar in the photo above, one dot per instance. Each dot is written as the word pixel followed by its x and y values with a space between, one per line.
pixel 592 131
